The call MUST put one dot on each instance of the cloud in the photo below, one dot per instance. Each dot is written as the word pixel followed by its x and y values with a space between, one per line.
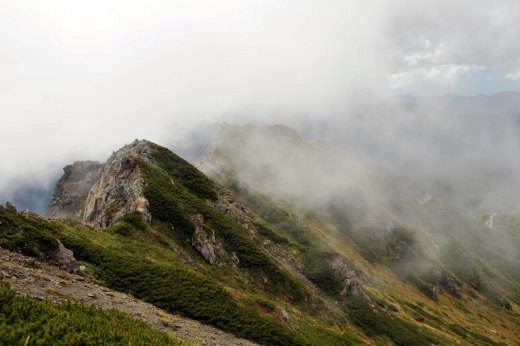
pixel 513 76
pixel 80 79
pixel 438 74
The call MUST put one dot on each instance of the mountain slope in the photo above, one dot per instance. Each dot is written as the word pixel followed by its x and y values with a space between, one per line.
pixel 375 223
pixel 329 260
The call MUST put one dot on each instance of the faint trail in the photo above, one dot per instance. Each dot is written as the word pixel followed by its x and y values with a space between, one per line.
pixel 51 282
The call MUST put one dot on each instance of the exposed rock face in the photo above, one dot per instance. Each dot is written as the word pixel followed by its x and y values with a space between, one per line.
pixel 481 284
pixel 101 194
pixel 72 189
pixel 229 204
pixel 448 282
pixel 119 189
pixel 353 286
pixel 204 241
pixel 286 318
pixel 65 259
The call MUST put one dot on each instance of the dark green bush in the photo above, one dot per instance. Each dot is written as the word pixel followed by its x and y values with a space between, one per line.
pixel 376 322
pixel 317 269
pixel 320 336
pixel 164 204
pixel 181 290
pixel 173 203
pixel 271 234
pixel 30 237
pixel 184 172
pixel 25 321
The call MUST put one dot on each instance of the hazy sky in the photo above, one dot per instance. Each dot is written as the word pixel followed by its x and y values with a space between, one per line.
pixel 81 78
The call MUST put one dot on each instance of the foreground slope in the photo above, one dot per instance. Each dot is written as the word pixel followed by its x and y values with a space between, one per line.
pixel 188 258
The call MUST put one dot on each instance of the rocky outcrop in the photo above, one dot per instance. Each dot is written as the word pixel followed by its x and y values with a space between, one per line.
pixel 286 319
pixel 72 189
pixel 101 194
pixel 204 240
pixel 65 259
pixel 119 190
pixel 481 284
pixel 229 204
pixel 447 282
pixel 353 287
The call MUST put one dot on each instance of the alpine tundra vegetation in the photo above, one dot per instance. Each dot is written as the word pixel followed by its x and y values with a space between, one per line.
pixel 254 257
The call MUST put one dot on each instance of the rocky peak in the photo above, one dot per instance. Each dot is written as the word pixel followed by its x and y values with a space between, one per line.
pixel 119 189
pixel 101 194
pixel 72 189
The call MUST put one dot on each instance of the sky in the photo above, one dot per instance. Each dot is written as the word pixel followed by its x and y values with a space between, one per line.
pixel 79 79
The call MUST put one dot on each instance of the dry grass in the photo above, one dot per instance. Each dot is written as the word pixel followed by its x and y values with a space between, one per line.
pixel 54 291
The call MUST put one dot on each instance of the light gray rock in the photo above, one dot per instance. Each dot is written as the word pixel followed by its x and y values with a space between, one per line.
pixel 448 282
pixel 119 190
pixel 72 189
pixel 235 259
pixel 65 259
pixel 204 240
pixel 287 319
pixel 100 195
pixel 353 287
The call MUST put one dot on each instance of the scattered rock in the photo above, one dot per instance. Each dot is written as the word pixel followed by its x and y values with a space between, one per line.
pixel 287 319
pixel 82 270
pixel 235 259
pixel 435 292
pixel 204 240
pixel 448 282
pixel 65 259
pixel 353 287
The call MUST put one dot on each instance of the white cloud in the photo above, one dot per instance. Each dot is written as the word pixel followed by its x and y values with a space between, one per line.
pixel 513 76
pixel 443 74
pixel 80 79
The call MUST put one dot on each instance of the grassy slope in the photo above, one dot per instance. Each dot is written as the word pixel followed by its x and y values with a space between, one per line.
pixel 148 261
pixel 143 263
pixel 173 203
pixel 468 320
pixel 25 321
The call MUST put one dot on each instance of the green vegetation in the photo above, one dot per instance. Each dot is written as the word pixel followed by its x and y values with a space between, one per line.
pixel 473 337
pixel 376 322
pixel 25 321
pixel 25 235
pixel 321 336
pixel 280 220
pixel 182 171
pixel 318 270
pixel 423 316
pixel 135 263
pixel 161 193
pixel 270 234
pixel 172 202
pixel 183 291
pixel 157 263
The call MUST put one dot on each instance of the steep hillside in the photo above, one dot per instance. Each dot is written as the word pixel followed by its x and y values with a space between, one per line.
pixel 175 250
pixel 288 245
pixel 377 224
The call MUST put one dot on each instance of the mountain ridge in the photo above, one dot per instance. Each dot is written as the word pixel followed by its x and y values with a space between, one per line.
pixel 336 270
